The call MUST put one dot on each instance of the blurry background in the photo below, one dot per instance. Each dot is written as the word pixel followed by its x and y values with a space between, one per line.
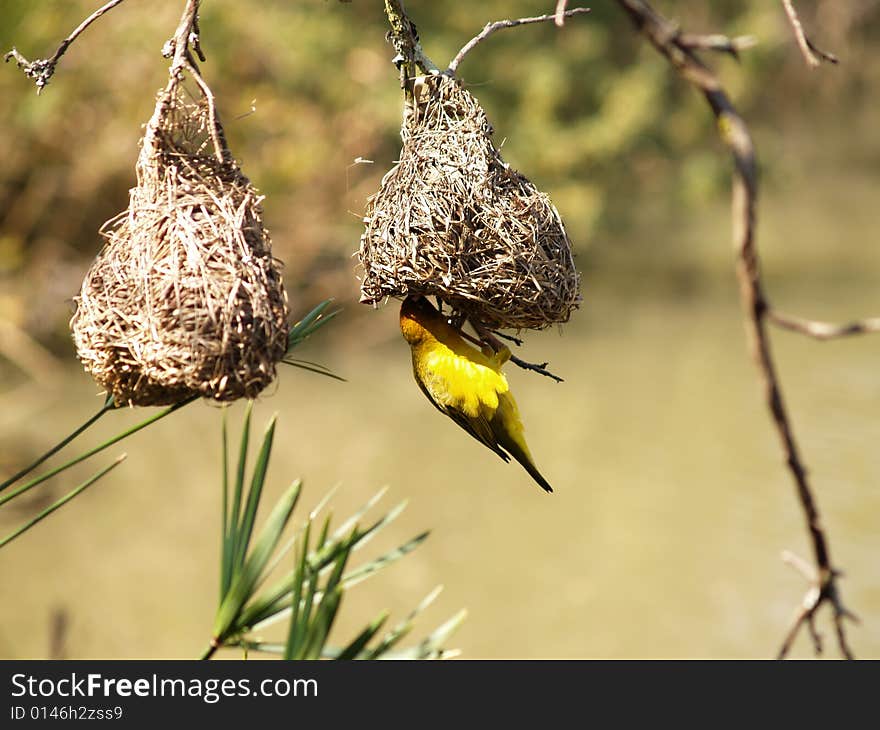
pixel 672 503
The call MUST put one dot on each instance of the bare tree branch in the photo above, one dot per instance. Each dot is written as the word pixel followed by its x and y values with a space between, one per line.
pixel 734 132
pixel 410 56
pixel 812 55
pixel 823 330
pixel 42 69
pixel 491 28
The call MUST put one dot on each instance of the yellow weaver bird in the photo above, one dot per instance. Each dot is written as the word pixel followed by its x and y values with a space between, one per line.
pixel 464 383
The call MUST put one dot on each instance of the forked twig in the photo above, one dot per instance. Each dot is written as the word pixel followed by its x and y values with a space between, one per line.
pixel 491 28
pixel 42 69
pixel 734 132
pixel 805 615
pixel 540 368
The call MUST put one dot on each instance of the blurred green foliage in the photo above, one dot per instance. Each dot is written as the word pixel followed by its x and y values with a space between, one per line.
pixel 588 112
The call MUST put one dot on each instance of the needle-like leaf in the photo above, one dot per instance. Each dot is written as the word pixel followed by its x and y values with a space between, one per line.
pixel 60 503
pixel 238 488
pixel 310 324
pixel 108 406
pixel 254 493
pixel 299 576
pixel 226 534
pixel 91 452
pixel 359 643
pixel 247 577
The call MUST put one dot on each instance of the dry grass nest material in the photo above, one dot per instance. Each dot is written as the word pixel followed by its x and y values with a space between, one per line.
pixel 185 298
pixel 452 219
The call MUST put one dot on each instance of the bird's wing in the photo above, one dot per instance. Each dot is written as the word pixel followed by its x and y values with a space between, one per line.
pixel 465 391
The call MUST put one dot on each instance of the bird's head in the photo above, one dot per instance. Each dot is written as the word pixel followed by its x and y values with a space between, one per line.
pixel 416 316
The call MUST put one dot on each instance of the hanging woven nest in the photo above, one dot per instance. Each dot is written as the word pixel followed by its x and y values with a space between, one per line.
pixel 185 298
pixel 453 220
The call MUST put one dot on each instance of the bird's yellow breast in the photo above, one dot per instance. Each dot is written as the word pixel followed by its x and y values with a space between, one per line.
pixel 467 382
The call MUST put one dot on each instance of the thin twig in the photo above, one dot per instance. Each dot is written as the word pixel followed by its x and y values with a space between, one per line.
pixel 36 481
pixel 812 55
pixel 734 133
pixel 488 338
pixel 197 39
pixel 540 368
pixel 220 150
pixel 823 330
pixel 804 615
pixel 510 338
pixel 717 42
pixel 491 28
pixel 800 565
pixel 42 69
pixel 559 15
pixel 109 405
pixel 60 503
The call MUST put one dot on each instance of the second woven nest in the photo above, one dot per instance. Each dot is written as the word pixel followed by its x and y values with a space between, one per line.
pixel 185 298
pixel 453 220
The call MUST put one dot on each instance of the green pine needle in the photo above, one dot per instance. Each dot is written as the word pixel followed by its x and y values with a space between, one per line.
pixel 302 330
pixel 310 595
pixel 61 502
pixel 91 452
pixel 108 406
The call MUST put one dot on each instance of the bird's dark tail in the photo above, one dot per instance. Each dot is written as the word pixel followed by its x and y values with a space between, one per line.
pixel 525 460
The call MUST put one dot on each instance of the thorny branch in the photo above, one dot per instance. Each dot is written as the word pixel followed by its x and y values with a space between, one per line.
pixel 42 69
pixel 491 28
pixel 540 368
pixel 812 55
pixel 665 37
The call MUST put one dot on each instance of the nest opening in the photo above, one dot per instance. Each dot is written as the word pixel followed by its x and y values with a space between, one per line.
pixel 185 298
pixel 452 219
